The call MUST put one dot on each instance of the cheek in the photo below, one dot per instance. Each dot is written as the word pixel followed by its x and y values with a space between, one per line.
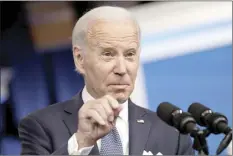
pixel 133 69
pixel 100 72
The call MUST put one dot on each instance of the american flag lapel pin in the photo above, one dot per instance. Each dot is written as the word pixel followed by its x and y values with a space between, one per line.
pixel 140 121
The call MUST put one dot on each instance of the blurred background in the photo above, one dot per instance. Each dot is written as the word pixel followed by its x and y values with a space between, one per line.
pixel 186 57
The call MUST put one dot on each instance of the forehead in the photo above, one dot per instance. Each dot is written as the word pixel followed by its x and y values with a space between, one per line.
pixel 121 33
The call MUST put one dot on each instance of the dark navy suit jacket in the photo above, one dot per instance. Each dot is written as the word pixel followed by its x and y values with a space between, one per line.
pixel 47 131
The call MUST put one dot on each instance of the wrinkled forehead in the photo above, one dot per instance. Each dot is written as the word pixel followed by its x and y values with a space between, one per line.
pixel 113 33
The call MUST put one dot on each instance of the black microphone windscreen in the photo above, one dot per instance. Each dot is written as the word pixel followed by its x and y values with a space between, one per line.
pixel 196 109
pixel 165 110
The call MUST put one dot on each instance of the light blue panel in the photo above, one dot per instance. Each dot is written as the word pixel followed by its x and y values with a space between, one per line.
pixel 182 33
pixel 205 77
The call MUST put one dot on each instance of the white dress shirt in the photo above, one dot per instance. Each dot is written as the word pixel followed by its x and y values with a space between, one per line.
pixel 121 125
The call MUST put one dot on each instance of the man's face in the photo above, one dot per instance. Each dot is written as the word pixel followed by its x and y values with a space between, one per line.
pixel 112 59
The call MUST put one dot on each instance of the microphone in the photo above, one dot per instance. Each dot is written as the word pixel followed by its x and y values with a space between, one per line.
pixel 217 123
pixel 174 116
pixel 184 123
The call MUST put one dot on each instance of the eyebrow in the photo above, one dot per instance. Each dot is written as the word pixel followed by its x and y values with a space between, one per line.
pixel 111 47
pixel 107 48
pixel 130 49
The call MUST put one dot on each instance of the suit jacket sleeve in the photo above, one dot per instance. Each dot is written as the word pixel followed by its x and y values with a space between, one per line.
pixel 185 145
pixel 35 140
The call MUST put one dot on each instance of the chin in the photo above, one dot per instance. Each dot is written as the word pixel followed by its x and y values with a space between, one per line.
pixel 121 97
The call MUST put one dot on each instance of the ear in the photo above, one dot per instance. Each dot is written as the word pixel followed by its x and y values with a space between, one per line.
pixel 78 59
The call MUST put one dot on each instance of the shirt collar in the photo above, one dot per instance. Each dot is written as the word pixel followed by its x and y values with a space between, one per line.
pixel 123 114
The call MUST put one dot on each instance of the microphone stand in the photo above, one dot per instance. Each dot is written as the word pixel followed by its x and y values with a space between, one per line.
pixel 200 143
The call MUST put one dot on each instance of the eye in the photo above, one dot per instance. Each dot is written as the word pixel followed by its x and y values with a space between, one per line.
pixel 107 53
pixel 130 53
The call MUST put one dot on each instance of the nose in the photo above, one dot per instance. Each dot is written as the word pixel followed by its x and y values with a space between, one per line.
pixel 120 68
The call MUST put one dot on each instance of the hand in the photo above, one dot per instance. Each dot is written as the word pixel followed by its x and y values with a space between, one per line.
pixel 96 118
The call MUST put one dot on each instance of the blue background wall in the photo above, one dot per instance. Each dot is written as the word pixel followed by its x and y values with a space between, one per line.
pixel 204 77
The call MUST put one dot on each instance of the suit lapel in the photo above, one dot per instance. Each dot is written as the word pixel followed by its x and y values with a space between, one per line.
pixel 71 113
pixel 70 118
pixel 139 128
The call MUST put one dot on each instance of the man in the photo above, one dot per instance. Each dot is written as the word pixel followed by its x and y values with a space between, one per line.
pixel 101 119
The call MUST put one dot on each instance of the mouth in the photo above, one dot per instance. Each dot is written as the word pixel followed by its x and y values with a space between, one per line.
pixel 119 86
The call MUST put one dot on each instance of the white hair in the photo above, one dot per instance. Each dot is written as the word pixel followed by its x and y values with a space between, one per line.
pixel 103 12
